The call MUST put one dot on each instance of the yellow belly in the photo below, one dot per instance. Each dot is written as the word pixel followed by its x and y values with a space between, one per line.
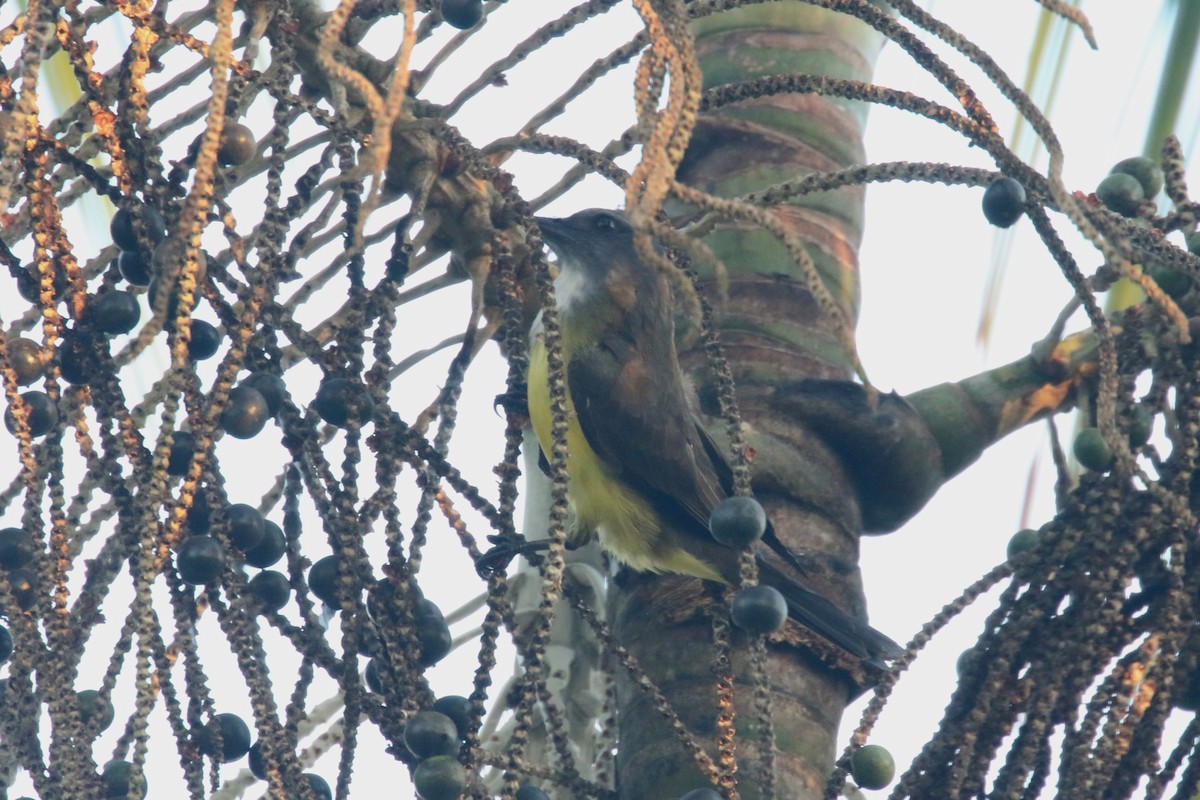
pixel 625 523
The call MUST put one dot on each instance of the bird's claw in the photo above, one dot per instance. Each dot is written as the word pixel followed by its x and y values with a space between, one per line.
pixel 506 547
pixel 513 402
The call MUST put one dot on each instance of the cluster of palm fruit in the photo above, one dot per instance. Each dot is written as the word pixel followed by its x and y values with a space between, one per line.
pixel 201 556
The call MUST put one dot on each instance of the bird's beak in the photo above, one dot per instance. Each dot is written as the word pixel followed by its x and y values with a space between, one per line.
pixel 554 232
pixel 553 235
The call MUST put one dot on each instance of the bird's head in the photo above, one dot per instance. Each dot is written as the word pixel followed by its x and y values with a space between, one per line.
pixel 598 263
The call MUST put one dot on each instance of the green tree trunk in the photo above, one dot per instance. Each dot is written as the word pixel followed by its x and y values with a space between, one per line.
pixel 774 334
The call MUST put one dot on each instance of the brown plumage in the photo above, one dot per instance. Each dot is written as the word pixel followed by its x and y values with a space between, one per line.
pixel 644 475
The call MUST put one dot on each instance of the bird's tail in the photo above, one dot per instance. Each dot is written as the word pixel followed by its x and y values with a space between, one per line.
pixel 813 611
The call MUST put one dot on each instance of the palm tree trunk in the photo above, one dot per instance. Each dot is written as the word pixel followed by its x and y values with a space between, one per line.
pixel 773 334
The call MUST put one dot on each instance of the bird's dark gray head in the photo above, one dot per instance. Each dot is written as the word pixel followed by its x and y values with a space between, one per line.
pixel 584 231
pixel 593 246
pixel 604 288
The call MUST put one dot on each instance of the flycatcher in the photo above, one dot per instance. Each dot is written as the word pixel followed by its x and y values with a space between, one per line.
pixel 644 475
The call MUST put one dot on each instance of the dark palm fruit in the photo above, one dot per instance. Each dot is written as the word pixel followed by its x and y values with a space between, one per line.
pixel 462 14
pixel 232 733
pixel 246 413
pixel 134 267
pixel 1022 542
pixel 430 733
pixel 440 778
pixel 117 778
pixel 1091 451
pixel 759 609
pixel 16 548
pixel 270 549
pixel 199 518
pixel 1175 283
pixel 1141 424
pixel 271 589
pixel 967 661
pixel 76 359
pixel 246 526
pixel 200 559
pixel 152 295
pixel 42 418
pixel 237 145
pixel 205 341
pixel 381 599
pixel 323 580
pixel 93 707
pixel 122 228
pixel 1193 243
pixel 183 447
pixel 534 793
pixel 319 786
pixel 872 767
pixel 271 387
pixel 24 588
pixel 1003 202
pixel 1147 173
pixel 432 632
pixel 371 675
pixel 738 521
pixel 1121 193
pixel 255 761
pixel 29 284
pixel 25 358
pixel 6 644
pixel 702 794
pixel 457 708
pixel 169 257
pixel 426 610
pixel 42 414
pixel 340 400
pixel 115 312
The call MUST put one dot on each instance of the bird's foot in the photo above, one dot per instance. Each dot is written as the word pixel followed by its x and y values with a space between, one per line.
pixel 513 402
pixel 506 547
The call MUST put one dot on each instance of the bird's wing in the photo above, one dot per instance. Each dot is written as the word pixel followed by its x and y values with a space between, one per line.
pixel 724 474
pixel 639 423
pixel 848 632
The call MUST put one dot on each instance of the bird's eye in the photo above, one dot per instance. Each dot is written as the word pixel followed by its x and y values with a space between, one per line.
pixel 606 223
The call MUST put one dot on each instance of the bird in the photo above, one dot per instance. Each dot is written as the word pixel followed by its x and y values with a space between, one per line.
pixel 643 474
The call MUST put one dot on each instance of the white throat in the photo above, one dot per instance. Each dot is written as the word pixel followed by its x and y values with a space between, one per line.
pixel 570 286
